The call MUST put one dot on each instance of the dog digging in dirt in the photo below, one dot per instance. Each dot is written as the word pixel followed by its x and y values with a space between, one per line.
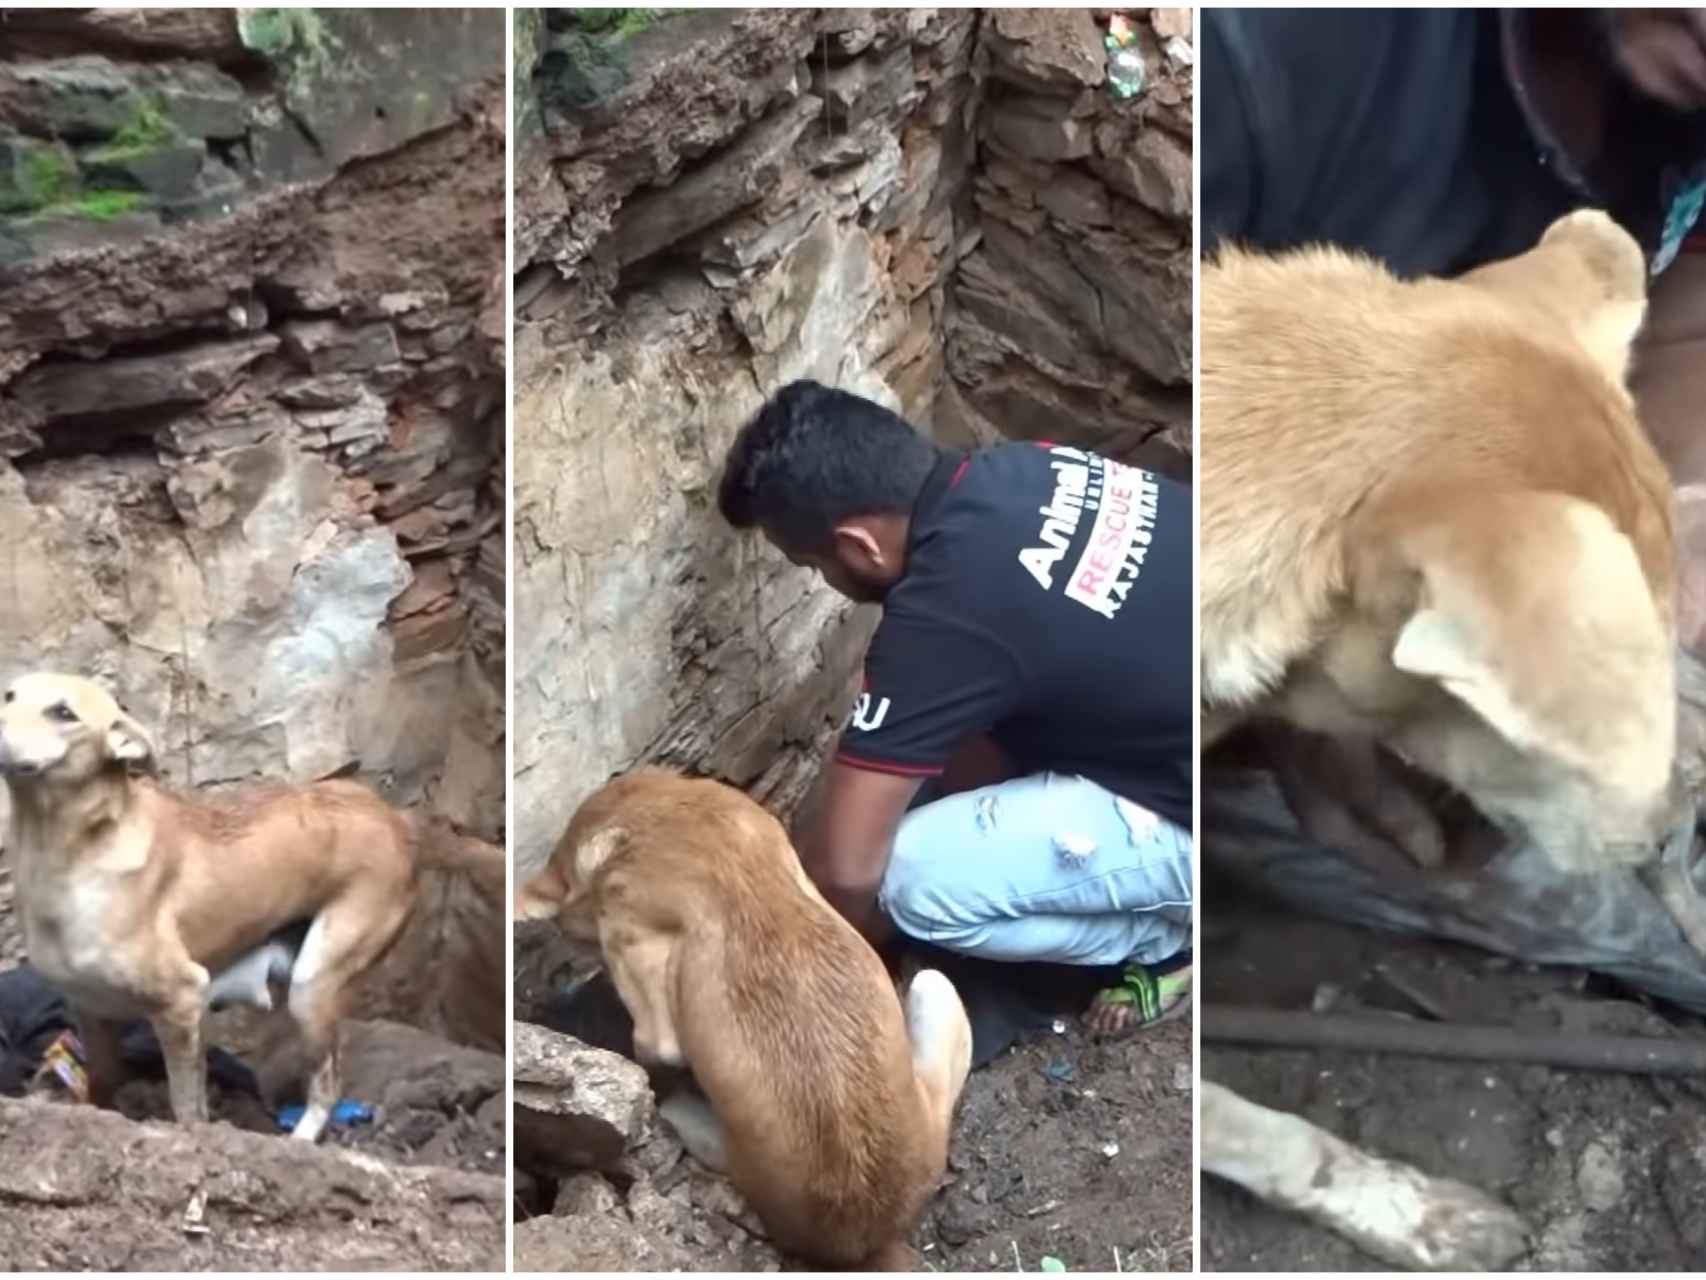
pixel 830 1105
pixel 1431 521
pixel 137 902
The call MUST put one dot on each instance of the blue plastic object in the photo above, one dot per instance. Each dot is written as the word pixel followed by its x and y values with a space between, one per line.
pixel 346 1114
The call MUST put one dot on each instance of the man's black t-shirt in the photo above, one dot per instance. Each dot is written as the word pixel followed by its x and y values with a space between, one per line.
pixel 1386 130
pixel 1401 132
pixel 1046 601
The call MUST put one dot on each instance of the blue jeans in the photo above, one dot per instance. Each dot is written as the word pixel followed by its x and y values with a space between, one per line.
pixel 1047 867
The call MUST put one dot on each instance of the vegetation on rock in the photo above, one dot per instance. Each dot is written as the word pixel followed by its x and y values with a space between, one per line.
pixel 587 57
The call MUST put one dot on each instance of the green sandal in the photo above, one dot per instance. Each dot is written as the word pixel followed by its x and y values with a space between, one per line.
pixel 1153 992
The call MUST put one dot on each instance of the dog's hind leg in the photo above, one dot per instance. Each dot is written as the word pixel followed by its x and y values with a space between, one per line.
pixel 696 1124
pixel 940 1033
pixel 344 940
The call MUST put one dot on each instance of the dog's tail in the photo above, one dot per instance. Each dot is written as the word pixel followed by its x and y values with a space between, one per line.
pixel 458 928
pixel 440 847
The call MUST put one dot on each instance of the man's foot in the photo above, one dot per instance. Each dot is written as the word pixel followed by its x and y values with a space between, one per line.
pixel 1144 996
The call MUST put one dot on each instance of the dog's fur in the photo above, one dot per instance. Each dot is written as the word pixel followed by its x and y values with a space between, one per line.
pixel 1396 1212
pixel 138 902
pixel 833 1105
pixel 1430 519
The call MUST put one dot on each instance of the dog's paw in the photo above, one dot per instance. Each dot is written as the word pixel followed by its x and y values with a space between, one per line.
pixel 1466 1230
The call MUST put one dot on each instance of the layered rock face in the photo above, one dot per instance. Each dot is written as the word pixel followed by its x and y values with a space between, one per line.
pixel 252 414
pixel 945 210
pixel 1073 314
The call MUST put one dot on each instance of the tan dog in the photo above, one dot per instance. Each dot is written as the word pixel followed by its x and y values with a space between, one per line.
pixel 832 1107
pixel 1430 519
pixel 133 899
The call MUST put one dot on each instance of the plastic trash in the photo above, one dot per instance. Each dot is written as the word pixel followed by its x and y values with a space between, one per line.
pixel 1126 74
pixel 62 1070
pixel 347 1114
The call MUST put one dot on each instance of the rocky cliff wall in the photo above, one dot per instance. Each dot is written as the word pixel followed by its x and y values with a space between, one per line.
pixel 251 385
pixel 711 204
pixel 252 411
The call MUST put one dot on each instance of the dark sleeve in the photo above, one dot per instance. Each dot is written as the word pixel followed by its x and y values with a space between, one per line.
pixel 929 685
pixel 1227 148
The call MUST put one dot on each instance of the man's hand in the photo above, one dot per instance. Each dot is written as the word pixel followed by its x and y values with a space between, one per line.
pixel 1663 51
pixel 851 841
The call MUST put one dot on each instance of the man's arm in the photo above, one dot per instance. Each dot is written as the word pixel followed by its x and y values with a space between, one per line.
pixel 848 846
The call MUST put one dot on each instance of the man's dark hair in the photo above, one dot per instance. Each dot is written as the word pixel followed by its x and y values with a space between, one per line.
pixel 813 456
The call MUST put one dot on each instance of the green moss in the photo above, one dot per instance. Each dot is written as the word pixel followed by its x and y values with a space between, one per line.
pixel 625 23
pixel 98 206
pixel 48 176
pixel 589 61
pixel 103 206
pixel 149 127
pixel 44 176
pixel 299 36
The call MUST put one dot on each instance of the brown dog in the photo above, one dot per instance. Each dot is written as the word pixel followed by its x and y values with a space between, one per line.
pixel 832 1106
pixel 140 903
pixel 1430 519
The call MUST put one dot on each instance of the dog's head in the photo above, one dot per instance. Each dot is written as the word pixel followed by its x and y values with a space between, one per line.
pixel 59 729
pixel 1544 626
pixel 565 889
pixel 1545 571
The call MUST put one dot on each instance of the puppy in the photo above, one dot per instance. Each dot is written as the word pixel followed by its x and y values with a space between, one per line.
pixel 137 902
pixel 1430 520
pixel 831 1105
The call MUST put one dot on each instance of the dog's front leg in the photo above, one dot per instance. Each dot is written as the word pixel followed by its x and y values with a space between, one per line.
pixel 178 1027
pixel 1395 1212
pixel 101 1057
pixel 640 972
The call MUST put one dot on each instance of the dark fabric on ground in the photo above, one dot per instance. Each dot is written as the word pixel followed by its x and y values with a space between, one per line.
pixel 33 1014
pixel 591 1012
pixel 1009 1002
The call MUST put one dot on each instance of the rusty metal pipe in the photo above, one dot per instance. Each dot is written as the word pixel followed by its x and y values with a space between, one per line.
pixel 1280 1028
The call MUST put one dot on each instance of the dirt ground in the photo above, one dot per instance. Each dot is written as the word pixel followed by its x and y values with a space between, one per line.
pixel 1066 1146
pixel 1609 1170
pixel 84 1189
pixel 1032 1174
pixel 434 1103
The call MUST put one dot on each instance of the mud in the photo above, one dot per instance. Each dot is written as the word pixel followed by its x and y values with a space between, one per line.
pixel 1608 1169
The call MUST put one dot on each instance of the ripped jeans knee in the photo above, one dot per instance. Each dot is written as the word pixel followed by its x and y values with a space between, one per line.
pixel 1048 867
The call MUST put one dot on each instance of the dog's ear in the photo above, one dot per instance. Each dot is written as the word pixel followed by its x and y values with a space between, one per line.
pixel 1590 273
pixel 129 744
pixel 1437 646
pixel 1534 610
pixel 593 852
